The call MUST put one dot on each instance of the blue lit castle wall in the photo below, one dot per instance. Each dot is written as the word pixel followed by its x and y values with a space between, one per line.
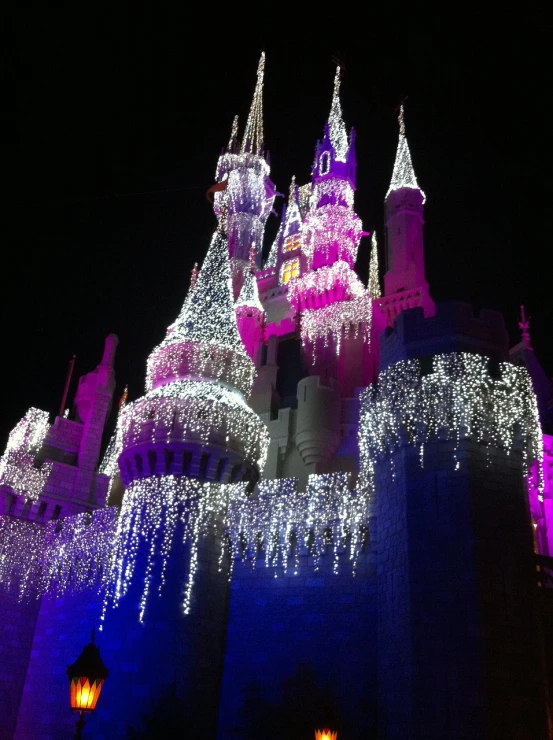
pixel 446 438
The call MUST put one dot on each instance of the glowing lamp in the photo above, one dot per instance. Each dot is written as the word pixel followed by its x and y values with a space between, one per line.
pixel 86 678
pixel 325 735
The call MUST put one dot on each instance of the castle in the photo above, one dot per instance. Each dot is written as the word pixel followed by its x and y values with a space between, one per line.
pixel 332 506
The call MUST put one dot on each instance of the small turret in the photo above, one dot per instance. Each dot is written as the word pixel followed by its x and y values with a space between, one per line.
pixel 249 316
pixel 193 420
pixel 246 197
pixel 405 284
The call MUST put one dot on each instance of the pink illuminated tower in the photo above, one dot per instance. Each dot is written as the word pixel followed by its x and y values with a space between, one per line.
pixel 336 310
pixel 405 283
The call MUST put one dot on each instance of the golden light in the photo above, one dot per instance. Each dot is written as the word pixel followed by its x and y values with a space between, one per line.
pixel 86 678
pixel 325 735
pixel 84 693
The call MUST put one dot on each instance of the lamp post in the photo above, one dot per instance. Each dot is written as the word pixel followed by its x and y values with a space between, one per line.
pixel 325 735
pixel 86 678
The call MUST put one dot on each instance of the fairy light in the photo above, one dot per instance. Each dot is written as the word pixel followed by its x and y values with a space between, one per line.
pixel 195 409
pixel 330 282
pixel 253 134
pixel 336 125
pixel 249 295
pixel 204 340
pixel 458 398
pixel 338 321
pixel 272 257
pixel 403 175
pixel 374 280
pixel 62 556
pixel 280 511
pixel 151 512
pixel 332 227
pixel 17 468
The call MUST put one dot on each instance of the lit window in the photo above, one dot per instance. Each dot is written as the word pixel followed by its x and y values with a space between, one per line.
pixel 324 164
pixel 289 270
pixel 292 242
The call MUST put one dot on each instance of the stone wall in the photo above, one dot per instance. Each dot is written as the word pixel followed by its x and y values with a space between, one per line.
pixel 17 623
pixel 457 631
pixel 301 650
pixel 63 628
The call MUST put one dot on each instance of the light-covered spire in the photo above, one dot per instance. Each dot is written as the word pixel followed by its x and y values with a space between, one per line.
pixel 403 175
pixel 208 313
pixel 293 222
pixel 249 295
pixel 253 135
pixel 271 260
pixel 336 125
pixel 233 135
pixel 374 281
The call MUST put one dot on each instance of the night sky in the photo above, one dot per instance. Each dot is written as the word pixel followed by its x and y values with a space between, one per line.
pixel 111 131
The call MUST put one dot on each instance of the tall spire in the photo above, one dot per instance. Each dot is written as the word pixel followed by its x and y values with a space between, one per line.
pixel 272 257
pixel 293 216
pixel 336 125
pixel 249 295
pixel 253 135
pixel 233 135
pixel 403 175
pixel 374 282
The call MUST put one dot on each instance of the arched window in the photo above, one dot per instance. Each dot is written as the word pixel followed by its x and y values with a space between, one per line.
pixel 324 163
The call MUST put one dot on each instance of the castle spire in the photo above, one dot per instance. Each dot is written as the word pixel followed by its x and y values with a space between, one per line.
pixel 207 315
pixel 233 141
pixel 524 325
pixel 272 257
pixel 336 125
pixel 374 282
pixel 403 175
pixel 253 135
pixel 292 190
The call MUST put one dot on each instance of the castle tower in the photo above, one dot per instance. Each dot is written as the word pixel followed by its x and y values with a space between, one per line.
pixel 250 315
pixel 50 471
pixel 191 433
pixel 244 195
pixel 334 306
pixel 405 283
pixel 446 439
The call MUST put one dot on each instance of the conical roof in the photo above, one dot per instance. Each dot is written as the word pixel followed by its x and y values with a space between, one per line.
pixel 253 134
pixel 374 281
pixel 292 221
pixel 336 126
pixel 272 257
pixel 403 175
pixel 208 313
pixel 249 295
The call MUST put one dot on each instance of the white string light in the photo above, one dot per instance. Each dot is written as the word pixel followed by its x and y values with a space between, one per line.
pixel 458 398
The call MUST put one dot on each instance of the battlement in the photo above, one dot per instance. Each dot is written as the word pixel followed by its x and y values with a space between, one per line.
pixel 453 328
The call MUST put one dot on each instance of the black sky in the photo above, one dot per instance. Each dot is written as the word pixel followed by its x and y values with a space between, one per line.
pixel 99 110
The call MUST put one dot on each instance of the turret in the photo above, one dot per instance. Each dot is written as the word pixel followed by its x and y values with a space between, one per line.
pixel 194 420
pixel 250 315
pixel 246 197
pixel 405 283
pixel 332 229
pixel 334 306
pixel 191 433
